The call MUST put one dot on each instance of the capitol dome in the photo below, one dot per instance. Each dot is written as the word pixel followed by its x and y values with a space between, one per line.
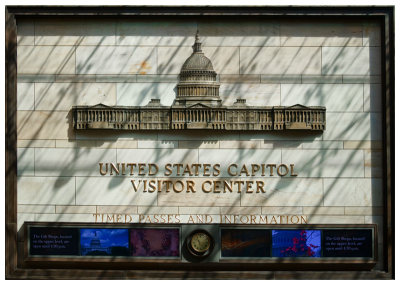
pixel 197 61
pixel 197 80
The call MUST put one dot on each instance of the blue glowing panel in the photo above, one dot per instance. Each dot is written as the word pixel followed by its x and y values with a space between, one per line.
pixel 296 243
pixel 104 242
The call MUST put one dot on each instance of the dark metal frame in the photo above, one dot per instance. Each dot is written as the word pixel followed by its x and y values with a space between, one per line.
pixel 227 264
pixel 13 250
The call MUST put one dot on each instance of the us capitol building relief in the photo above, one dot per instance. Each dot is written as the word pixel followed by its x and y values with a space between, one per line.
pixel 199 106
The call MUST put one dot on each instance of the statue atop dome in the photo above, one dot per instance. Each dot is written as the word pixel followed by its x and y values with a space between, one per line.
pixel 197 44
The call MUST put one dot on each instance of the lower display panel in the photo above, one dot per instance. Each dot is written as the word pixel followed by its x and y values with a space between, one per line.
pixel 202 245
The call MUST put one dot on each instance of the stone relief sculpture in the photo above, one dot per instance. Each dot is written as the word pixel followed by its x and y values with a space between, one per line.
pixel 198 106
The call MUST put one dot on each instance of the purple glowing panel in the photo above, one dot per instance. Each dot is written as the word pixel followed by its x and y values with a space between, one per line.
pixel 155 242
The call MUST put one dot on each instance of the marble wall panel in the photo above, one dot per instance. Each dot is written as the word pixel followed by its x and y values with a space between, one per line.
pixel 240 210
pixel 65 218
pixel 351 60
pixel 171 59
pixel 280 60
pixel 367 145
pixel 353 192
pixel 323 211
pixel 257 60
pixel 110 191
pixel 44 125
pixel 353 126
pixel 157 144
pixel 282 210
pixel 63 209
pixel 303 33
pixel 199 210
pixel 156 32
pixel 46 190
pixel 42 209
pixel 157 210
pixel 243 33
pixel 335 97
pixel 201 136
pixel 122 209
pixel 195 144
pixel 241 144
pixel 326 163
pixel 62 96
pixel 71 161
pixel 25 161
pixel 140 94
pixel 74 32
pixel 240 157
pixel 25 96
pixel 36 143
pixel 225 60
pixel 323 145
pixel 335 219
pixel 115 135
pixel 286 192
pixel 161 157
pixel 116 60
pixel 46 59
pixel 255 94
pixel 287 135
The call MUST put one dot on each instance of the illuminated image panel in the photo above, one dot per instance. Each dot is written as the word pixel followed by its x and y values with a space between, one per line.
pixel 155 242
pixel 245 243
pixel 296 243
pixel 104 242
